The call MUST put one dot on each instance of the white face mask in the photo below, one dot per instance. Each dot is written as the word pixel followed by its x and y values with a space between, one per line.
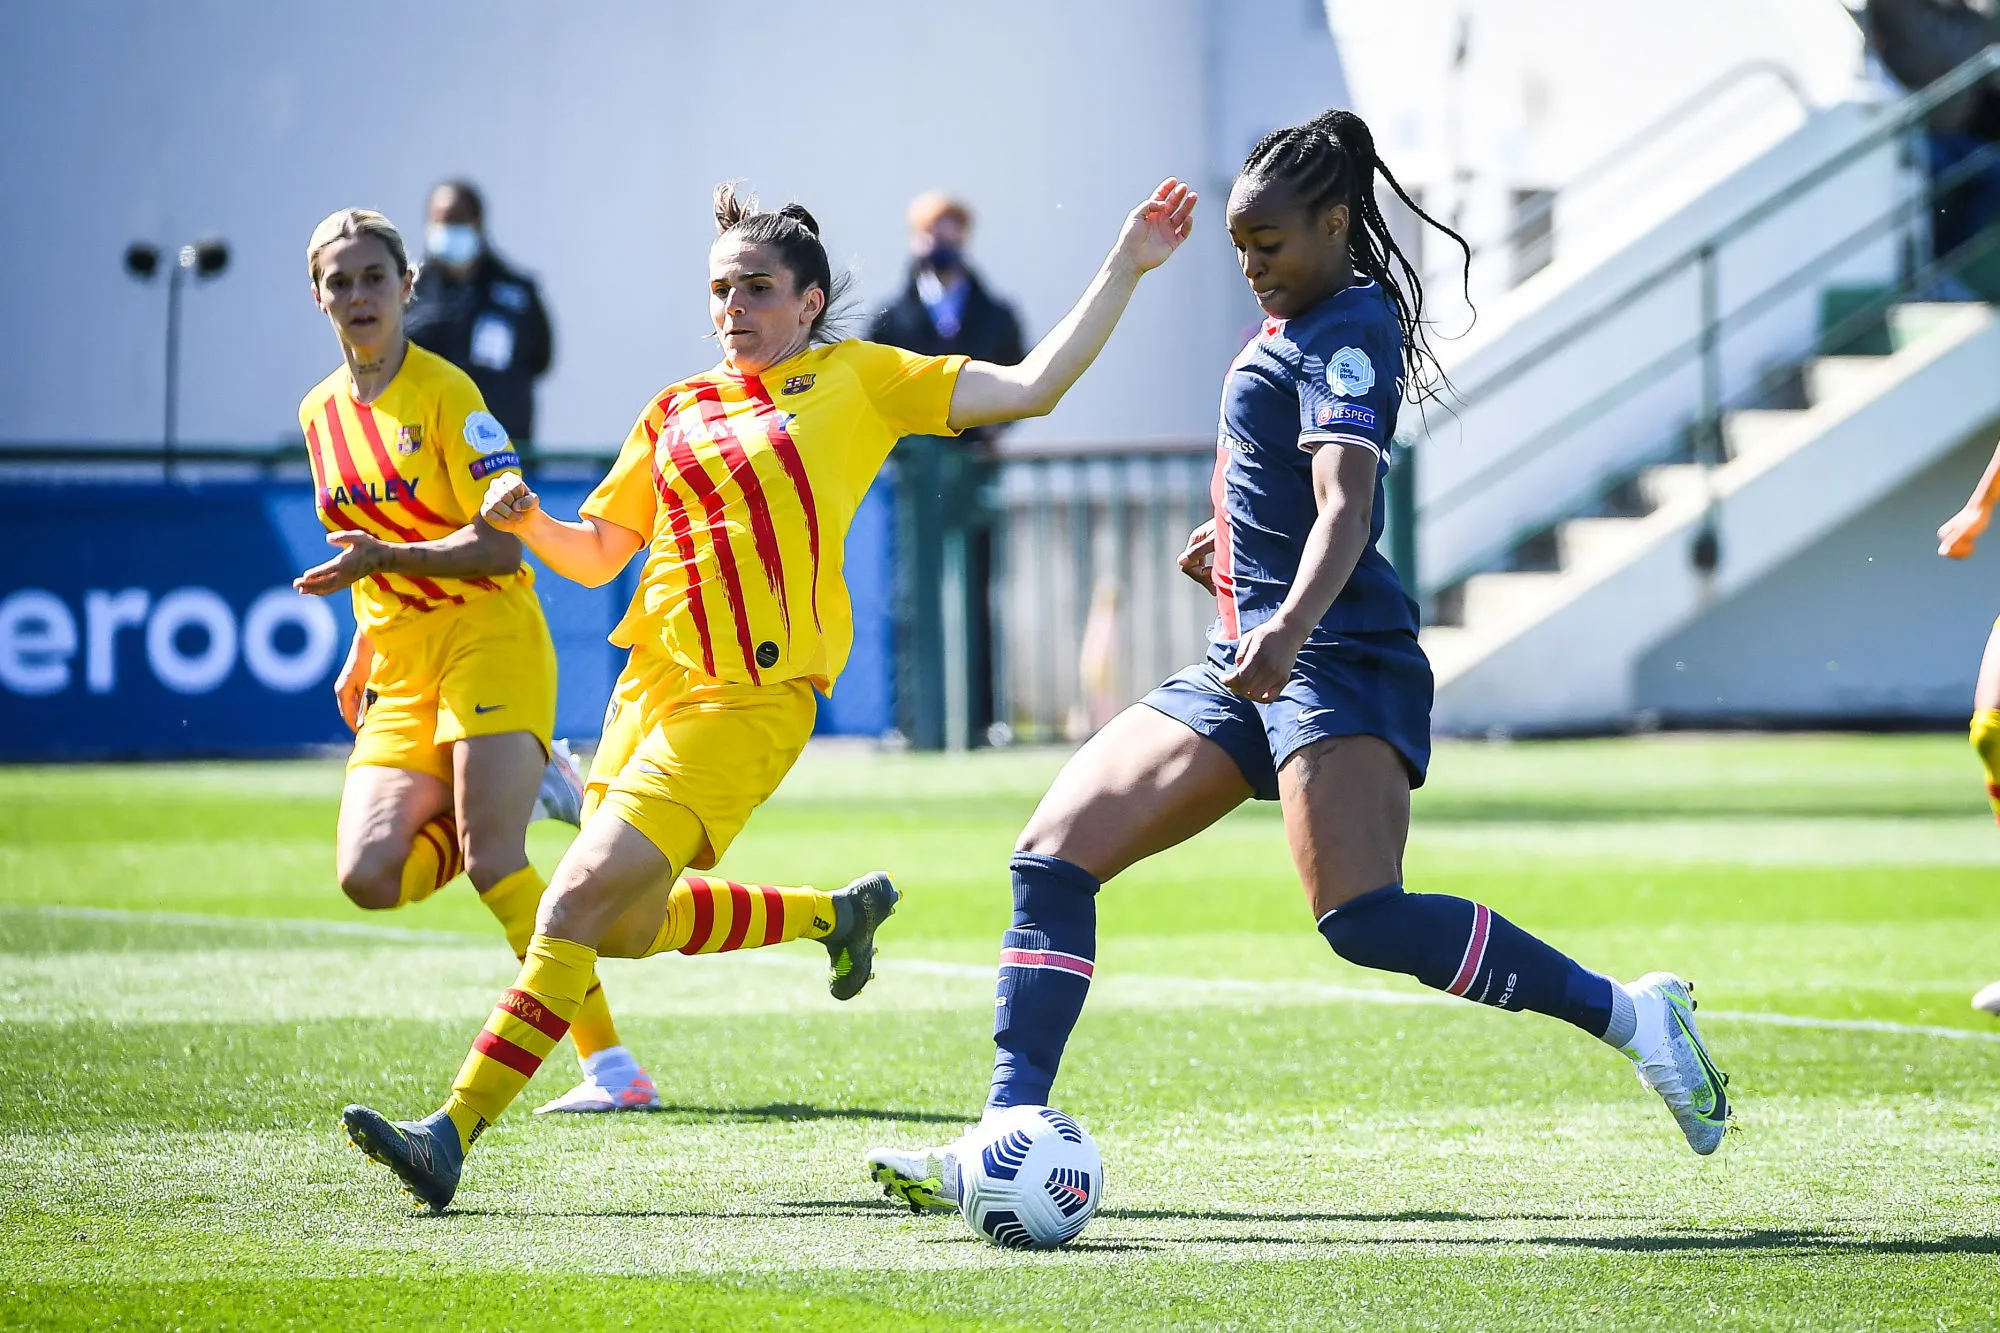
pixel 452 242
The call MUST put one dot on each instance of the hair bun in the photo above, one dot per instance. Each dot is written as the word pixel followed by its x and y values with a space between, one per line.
pixel 798 214
pixel 1349 131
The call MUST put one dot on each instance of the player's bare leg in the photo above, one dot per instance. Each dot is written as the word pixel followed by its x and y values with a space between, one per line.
pixel 1141 785
pixel 381 811
pixel 496 780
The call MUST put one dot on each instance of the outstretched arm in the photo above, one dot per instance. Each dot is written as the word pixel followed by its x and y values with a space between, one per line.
pixel 590 551
pixel 1960 532
pixel 474 551
pixel 986 394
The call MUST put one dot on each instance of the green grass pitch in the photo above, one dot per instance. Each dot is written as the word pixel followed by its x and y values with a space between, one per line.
pixel 186 1001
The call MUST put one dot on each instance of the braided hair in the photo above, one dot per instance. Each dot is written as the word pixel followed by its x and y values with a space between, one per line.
pixel 794 234
pixel 1331 160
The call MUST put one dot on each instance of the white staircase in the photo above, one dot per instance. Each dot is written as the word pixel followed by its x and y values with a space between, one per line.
pixel 1557 649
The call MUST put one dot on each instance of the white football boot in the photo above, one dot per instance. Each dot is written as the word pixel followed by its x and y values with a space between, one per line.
pixel 1988 1000
pixel 1668 1053
pixel 926 1179
pixel 561 796
pixel 612 1081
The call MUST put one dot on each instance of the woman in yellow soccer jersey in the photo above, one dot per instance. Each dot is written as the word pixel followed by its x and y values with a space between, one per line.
pixel 1956 540
pixel 739 484
pixel 450 684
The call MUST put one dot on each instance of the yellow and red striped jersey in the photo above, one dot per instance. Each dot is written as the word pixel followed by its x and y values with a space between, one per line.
pixel 744 487
pixel 411 466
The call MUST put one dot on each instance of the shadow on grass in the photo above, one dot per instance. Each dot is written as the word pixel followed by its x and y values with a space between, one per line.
pixel 1773 1240
pixel 785 1208
pixel 798 1111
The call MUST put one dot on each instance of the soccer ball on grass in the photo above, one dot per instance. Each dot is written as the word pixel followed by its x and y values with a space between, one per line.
pixel 1029 1178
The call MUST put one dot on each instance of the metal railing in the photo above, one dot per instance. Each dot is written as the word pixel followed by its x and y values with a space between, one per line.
pixel 1699 261
pixel 1090 609
pixel 1535 222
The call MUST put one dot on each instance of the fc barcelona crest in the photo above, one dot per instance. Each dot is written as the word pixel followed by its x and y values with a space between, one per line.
pixel 798 384
pixel 409 439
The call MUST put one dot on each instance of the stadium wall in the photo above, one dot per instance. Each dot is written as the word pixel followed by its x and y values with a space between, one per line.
pixel 597 132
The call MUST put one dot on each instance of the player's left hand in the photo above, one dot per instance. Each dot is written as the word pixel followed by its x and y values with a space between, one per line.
pixel 1197 558
pixel 1264 660
pixel 1157 227
pixel 360 555
pixel 1960 532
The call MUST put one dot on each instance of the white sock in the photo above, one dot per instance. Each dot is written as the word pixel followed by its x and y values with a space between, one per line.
pixel 612 1065
pixel 1624 1018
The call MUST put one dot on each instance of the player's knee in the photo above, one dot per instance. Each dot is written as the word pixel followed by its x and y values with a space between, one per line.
pixel 372 883
pixel 488 859
pixel 1056 836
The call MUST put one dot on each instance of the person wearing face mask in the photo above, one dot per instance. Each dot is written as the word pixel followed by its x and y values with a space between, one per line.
pixel 945 310
pixel 478 312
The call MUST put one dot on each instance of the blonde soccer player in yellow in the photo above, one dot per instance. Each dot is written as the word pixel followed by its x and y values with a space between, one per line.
pixel 450 683
pixel 739 484
pixel 1956 540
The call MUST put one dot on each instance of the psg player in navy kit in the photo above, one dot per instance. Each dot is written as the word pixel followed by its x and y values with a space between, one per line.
pixel 1314 692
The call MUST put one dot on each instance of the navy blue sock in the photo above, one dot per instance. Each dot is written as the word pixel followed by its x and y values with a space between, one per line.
pixel 1452 944
pixel 1046 959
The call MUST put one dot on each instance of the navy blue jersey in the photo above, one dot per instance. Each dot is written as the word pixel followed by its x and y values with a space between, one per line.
pixel 1330 378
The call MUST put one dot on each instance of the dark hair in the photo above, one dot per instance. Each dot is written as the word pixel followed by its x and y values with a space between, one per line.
pixel 467 191
pixel 794 234
pixel 1331 160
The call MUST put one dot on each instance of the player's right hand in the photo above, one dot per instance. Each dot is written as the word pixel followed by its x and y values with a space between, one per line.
pixel 1198 560
pixel 1960 532
pixel 508 504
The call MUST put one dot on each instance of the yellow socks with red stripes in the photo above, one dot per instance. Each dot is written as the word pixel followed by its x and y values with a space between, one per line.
pixel 1985 739
pixel 435 860
pixel 523 1028
pixel 515 900
pixel 719 915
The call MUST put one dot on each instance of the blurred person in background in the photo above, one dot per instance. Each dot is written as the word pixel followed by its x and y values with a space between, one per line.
pixel 945 310
pixel 1919 42
pixel 477 312
pixel 450 682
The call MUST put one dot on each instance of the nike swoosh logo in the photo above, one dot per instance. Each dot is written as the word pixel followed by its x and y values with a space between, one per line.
pixel 483 709
pixel 1718 1108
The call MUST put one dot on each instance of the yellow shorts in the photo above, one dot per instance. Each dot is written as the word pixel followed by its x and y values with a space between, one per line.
pixel 675 737
pixel 481 669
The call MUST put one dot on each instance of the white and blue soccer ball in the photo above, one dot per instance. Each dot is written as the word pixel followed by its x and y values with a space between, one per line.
pixel 1029 1178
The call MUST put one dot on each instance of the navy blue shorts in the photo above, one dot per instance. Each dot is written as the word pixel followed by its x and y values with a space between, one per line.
pixel 1358 685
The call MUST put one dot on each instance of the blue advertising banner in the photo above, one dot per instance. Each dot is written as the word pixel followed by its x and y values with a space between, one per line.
pixel 155 621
